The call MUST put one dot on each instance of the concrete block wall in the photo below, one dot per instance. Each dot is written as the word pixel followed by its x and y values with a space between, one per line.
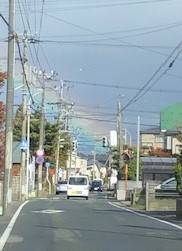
pixel 1 192
pixel 158 204
pixel 179 208
pixel 1 197
pixel 15 188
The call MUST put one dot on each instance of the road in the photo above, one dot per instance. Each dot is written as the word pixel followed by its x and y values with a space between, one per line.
pixel 94 225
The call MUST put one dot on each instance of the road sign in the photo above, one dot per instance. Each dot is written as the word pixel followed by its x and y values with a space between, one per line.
pixel 47 164
pixel 60 173
pixel 40 160
pixel 23 144
pixel 40 153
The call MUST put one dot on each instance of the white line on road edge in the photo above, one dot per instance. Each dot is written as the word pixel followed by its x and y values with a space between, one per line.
pixel 10 226
pixel 144 215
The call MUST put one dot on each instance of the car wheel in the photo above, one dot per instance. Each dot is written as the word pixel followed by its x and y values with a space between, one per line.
pixel 68 197
pixel 86 198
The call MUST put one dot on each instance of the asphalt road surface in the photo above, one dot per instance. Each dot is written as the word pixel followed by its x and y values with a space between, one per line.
pixel 94 225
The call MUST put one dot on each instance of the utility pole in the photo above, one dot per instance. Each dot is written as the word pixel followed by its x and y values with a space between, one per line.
pixel 58 144
pixel 24 122
pixel 41 137
pixel 94 155
pixel 59 132
pixel 138 152
pixel 125 136
pixel 28 149
pixel 120 135
pixel 7 190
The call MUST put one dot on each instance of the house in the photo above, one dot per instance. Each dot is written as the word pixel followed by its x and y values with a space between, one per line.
pixel 93 169
pixel 157 169
pixel 167 142
pixel 78 165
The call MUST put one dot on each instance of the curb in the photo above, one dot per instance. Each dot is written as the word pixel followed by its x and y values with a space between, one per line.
pixel 143 213
pixel 9 228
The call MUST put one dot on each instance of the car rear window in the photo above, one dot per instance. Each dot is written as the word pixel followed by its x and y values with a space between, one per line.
pixel 77 181
pixel 62 182
pixel 96 183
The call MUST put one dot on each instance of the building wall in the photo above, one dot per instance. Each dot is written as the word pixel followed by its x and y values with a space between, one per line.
pixel 156 176
pixel 93 172
pixel 77 165
pixel 81 164
pixel 16 182
pixel 171 117
pixel 176 146
pixel 1 196
pixel 151 140
pixel 15 188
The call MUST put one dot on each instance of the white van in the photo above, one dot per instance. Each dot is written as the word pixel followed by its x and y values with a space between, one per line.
pixel 78 186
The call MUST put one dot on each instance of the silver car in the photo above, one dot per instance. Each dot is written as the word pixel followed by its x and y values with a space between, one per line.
pixel 168 185
pixel 61 187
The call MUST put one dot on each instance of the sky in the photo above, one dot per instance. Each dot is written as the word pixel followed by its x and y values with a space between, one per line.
pixel 119 43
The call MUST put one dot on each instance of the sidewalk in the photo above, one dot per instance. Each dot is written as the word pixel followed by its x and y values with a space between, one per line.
pixel 169 216
pixel 5 219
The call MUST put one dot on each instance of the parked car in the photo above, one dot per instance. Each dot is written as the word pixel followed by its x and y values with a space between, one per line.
pixel 61 187
pixel 96 185
pixel 78 186
pixel 168 185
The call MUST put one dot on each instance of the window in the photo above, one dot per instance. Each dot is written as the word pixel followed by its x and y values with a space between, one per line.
pixel 147 144
pixel 159 139
pixel 77 181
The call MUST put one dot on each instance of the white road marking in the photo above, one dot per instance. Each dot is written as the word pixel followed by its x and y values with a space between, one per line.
pixel 47 211
pixel 10 226
pixel 147 216
pixel 56 198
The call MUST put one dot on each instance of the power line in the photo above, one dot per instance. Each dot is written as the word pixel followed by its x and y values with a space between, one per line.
pixel 28 23
pixel 162 26
pixel 36 51
pixel 126 36
pixel 41 22
pixel 114 86
pixel 98 33
pixel 46 58
pixel 109 108
pixel 116 4
pixel 139 94
pixel 109 121
pixel 90 43
pixel 22 64
pixel 21 58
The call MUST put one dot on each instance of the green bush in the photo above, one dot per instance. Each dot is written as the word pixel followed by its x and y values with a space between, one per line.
pixel 178 175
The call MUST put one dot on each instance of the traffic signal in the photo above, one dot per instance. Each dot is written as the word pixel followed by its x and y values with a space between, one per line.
pixel 126 157
pixel 74 146
pixel 104 141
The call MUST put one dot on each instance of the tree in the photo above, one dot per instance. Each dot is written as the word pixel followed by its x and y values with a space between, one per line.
pixel 50 139
pixel 132 167
pixel 115 159
pixel 64 149
pixel 51 136
pixel 17 130
pixel 3 76
pixel 178 173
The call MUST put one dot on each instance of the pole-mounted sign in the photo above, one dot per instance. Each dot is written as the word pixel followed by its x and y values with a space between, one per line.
pixel 40 153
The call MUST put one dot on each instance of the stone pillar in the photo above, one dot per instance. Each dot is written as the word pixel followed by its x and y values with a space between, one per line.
pixel 179 208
